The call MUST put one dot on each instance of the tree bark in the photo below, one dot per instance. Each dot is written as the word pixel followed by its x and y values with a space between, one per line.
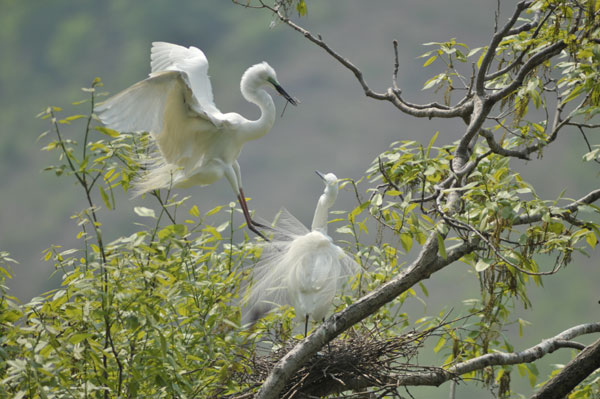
pixel 576 371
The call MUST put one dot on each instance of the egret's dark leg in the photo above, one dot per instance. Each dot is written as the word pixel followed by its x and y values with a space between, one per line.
pixel 249 222
pixel 256 224
pixel 305 326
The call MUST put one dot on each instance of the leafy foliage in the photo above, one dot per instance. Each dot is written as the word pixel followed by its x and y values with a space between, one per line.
pixel 153 314
pixel 156 313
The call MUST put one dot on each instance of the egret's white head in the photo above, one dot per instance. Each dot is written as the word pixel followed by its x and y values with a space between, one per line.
pixel 331 186
pixel 260 75
pixel 330 179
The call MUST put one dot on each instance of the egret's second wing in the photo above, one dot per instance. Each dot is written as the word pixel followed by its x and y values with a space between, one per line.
pixel 139 108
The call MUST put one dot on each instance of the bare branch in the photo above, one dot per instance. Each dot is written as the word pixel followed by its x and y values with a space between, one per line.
pixel 396 67
pixel 392 94
pixel 528 355
pixel 319 42
pixel 498 149
pixel 587 199
pixel 432 110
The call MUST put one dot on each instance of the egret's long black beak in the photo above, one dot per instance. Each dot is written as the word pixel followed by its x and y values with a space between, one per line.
pixel 284 94
pixel 321 175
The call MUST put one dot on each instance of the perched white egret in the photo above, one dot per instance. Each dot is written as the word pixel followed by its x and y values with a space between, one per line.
pixel 197 143
pixel 299 267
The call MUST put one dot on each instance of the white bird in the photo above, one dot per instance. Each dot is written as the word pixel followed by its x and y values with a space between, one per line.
pixel 197 144
pixel 299 267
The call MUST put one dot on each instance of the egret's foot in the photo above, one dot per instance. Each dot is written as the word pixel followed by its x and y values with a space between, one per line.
pixel 262 226
pixel 249 222
pixel 253 229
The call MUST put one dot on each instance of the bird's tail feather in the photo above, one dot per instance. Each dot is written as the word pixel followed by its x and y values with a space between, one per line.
pixel 158 177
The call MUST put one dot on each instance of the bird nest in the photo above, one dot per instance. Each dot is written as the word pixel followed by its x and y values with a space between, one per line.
pixel 352 363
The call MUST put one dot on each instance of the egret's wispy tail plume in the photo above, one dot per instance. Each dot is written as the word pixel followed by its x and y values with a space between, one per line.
pixel 300 267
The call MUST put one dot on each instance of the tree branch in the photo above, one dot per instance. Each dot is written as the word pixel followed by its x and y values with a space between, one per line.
pixel 572 374
pixel 491 50
pixel 498 149
pixel 527 26
pixel 437 376
pixel 392 94
pixel 519 59
pixel 527 67
pixel 572 207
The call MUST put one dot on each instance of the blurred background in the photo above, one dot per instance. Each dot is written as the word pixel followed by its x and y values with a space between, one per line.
pixel 50 50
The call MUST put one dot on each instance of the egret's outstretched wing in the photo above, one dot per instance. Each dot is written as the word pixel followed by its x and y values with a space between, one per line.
pixel 193 66
pixel 175 104
pixel 141 107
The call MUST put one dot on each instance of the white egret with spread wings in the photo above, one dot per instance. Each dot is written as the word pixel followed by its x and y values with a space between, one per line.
pixel 197 144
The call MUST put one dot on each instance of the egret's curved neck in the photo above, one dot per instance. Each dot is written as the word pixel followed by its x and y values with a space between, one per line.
pixel 255 94
pixel 326 201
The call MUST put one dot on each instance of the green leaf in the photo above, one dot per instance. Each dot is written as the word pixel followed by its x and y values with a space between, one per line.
pixel 432 82
pixel 591 239
pixel 107 131
pixel 344 230
pixel 301 8
pixel 474 51
pixel 430 60
pixel 574 93
pixel 431 143
pixel 194 211
pixel 532 373
pixel 480 60
pixel 356 211
pixel 482 264
pixel 74 117
pixel 441 246
pixel 144 212
pixel 440 344
pixel 214 210
pixel 406 241
pixel 104 197
pixel 213 231
pixel 77 338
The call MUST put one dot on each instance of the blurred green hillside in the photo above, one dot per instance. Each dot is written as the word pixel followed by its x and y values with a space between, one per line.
pixel 50 49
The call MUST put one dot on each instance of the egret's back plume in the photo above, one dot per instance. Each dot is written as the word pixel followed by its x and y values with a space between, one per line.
pixel 300 267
